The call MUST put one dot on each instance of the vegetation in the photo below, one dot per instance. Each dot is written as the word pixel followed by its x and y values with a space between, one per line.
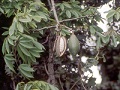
pixel 43 42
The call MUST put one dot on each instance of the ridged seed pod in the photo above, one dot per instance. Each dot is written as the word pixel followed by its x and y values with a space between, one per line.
pixel 60 45
pixel 73 44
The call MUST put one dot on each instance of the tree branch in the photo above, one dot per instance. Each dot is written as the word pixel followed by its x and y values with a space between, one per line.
pixel 71 19
pixel 61 84
pixel 44 28
pixel 74 84
pixel 66 20
pixel 55 14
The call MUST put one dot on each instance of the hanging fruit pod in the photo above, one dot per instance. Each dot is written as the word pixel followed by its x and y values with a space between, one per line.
pixel 73 44
pixel 60 45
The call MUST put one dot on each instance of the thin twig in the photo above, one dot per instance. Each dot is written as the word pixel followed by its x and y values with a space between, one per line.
pixel 71 19
pixel 49 4
pixel 65 20
pixel 46 69
pixel 66 27
pixel 61 84
pixel 74 84
pixel 46 40
pixel 44 28
pixel 13 83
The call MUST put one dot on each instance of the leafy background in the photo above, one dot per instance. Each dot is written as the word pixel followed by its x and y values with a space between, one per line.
pixel 28 31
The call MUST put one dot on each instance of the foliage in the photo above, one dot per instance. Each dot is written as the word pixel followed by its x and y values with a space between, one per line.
pixel 28 42
pixel 36 85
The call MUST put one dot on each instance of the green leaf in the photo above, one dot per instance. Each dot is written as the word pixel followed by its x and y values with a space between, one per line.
pixel 43 15
pixel 118 37
pixel 1 10
pixel 72 0
pixel 97 28
pixel 5 33
pixel 9 55
pixel 65 31
pixel 53 87
pixel 25 19
pixel 24 50
pixel 28 86
pixel 9 64
pixel 26 45
pixel 27 36
pixel 68 13
pixel 21 54
pixel 25 40
pixel 74 13
pixel 36 49
pixel 117 16
pixel 32 24
pixel 91 81
pixel 92 30
pixel 37 18
pixel 66 5
pixel 26 67
pixel 33 58
pixel 30 60
pixel 20 27
pixel 114 41
pixel 25 73
pixel 10 41
pixel 9 58
pixel 7 46
pixel 13 37
pixel 110 19
pixel 110 13
pixel 3 47
pixel 105 39
pixel 100 34
pixel 62 7
pixel 10 12
pixel 98 43
pixel 36 54
pixel 12 29
pixel 38 45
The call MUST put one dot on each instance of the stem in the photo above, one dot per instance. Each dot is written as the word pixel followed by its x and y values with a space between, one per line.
pixel 49 3
pixel 54 11
pixel 43 28
pixel 79 71
pixel 61 84
pixel 74 84
pixel 55 14
pixel 46 69
pixel 71 19
pixel 65 20
pixel 13 83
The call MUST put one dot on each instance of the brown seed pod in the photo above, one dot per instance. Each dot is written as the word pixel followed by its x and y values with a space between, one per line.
pixel 60 45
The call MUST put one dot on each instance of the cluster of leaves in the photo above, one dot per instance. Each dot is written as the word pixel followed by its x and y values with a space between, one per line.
pixel 110 37
pixel 19 47
pixel 113 13
pixel 35 85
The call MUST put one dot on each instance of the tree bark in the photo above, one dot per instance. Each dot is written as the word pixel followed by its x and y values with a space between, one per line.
pixel 51 78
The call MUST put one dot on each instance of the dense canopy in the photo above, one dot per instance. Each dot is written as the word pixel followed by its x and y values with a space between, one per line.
pixel 43 41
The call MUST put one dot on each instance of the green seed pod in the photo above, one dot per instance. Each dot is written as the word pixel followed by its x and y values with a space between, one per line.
pixel 73 45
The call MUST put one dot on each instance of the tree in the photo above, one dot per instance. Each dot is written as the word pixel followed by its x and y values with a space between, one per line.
pixel 37 43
